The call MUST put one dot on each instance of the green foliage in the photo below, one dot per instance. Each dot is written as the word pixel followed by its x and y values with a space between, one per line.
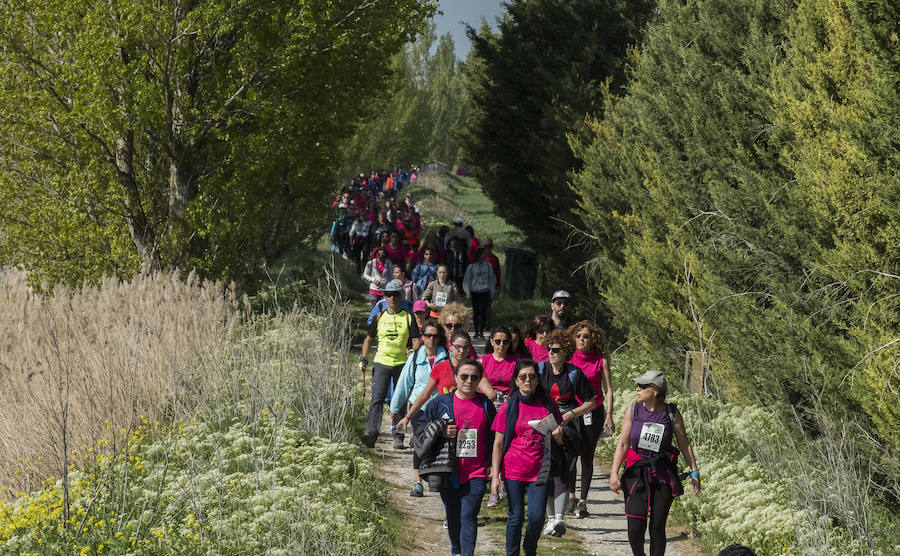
pixel 419 113
pixel 531 85
pixel 164 134
pixel 743 193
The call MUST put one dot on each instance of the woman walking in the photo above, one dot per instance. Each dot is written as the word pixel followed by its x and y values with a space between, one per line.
pixel 590 357
pixel 650 479
pixel 379 271
pixel 413 379
pixel 523 455
pixel 478 283
pixel 566 385
pixel 536 337
pixel 443 376
pixel 441 291
pixel 498 362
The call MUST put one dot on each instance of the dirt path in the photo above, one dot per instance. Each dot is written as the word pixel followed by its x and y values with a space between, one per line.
pixel 423 518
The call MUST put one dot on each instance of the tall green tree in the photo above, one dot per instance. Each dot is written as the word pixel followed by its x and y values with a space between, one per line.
pixel 420 113
pixel 538 76
pixel 179 134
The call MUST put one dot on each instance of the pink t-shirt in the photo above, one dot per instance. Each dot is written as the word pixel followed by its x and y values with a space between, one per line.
pixel 538 352
pixel 499 372
pixel 470 415
pixel 522 461
pixel 591 364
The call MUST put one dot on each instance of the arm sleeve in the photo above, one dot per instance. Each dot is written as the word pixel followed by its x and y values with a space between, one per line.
pixel 499 424
pixel 493 280
pixel 429 291
pixel 467 280
pixel 404 385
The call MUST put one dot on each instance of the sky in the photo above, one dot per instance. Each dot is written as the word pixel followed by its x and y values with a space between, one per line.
pixel 460 12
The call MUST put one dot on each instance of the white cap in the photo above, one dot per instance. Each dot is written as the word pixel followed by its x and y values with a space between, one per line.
pixel 458 220
pixel 560 294
pixel 656 378
pixel 393 286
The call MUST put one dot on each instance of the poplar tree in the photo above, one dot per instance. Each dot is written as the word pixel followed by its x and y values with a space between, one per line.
pixel 202 134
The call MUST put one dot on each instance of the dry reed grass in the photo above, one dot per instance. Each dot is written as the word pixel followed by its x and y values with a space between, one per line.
pixel 79 369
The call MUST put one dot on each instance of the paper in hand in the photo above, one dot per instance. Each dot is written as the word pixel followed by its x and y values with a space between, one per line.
pixel 544 426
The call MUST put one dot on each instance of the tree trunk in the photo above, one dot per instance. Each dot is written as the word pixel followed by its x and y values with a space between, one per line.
pixel 143 235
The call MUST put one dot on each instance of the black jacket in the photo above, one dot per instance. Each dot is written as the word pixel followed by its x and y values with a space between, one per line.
pixel 437 453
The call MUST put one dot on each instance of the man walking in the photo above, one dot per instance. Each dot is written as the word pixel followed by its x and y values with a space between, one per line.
pixel 395 330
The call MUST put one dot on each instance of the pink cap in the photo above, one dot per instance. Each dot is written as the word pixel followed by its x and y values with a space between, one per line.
pixel 419 306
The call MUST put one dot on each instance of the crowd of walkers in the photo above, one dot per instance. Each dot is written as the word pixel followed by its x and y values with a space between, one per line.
pixel 514 421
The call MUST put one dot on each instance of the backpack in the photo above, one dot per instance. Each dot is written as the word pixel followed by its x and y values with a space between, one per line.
pixel 669 411
pixel 573 372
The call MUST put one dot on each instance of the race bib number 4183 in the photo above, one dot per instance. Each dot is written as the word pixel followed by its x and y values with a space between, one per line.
pixel 651 436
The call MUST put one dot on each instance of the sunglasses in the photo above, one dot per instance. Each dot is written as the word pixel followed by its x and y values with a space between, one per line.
pixel 554 350
pixel 459 347
pixel 542 332
pixel 429 335
pixel 643 386
pixel 500 342
pixel 588 336
pixel 560 302
pixel 467 378
pixel 524 377
pixel 450 325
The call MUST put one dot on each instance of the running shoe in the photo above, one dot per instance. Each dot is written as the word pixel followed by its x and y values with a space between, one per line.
pixel 550 527
pixel 418 490
pixel 492 500
pixel 581 510
pixel 398 443
pixel 559 528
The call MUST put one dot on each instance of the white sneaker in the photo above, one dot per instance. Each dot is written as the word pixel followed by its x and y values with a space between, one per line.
pixel 551 525
pixel 559 528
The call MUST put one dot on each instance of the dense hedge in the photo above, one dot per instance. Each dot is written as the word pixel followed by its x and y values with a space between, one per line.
pixel 744 193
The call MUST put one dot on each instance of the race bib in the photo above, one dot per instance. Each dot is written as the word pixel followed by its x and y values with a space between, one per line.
pixel 467 443
pixel 440 298
pixel 651 436
pixel 588 418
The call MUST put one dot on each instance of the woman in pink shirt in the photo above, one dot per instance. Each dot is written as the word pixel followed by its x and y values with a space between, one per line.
pixel 498 362
pixel 536 337
pixel 590 357
pixel 526 454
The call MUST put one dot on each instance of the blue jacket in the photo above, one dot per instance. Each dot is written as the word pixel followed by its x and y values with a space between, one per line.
pixel 413 378
pixel 424 273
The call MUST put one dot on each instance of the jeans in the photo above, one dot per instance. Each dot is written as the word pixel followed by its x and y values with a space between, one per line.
pixel 462 503
pixel 381 381
pixel 537 499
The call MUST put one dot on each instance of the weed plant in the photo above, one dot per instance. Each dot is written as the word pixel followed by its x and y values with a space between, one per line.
pixel 236 446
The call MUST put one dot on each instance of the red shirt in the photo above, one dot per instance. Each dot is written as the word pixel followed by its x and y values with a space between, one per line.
pixel 442 373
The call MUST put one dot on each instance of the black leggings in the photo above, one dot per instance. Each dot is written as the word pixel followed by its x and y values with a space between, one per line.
pixel 481 304
pixel 660 502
